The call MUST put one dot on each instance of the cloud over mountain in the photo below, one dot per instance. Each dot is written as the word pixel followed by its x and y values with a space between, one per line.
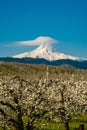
pixel 38 41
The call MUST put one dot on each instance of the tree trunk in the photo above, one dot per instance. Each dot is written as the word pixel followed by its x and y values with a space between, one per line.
pixel 21 125
pixel 81 127
pixel 20 121
pixel 29 127
pixel 19 114
pixel 66 126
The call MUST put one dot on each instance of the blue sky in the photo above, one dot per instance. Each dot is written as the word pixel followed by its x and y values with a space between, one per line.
pixel 63 20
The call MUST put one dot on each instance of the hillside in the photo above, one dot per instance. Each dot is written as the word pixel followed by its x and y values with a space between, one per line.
pixel 31 71
pixel 73 63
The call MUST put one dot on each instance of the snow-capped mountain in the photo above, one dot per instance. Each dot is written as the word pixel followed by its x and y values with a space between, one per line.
pixel 45 51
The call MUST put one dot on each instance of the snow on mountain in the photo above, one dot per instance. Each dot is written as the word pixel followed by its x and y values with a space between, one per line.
pixel 45 51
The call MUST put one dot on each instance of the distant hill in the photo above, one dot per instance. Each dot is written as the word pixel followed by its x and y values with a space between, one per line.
pixel 62 62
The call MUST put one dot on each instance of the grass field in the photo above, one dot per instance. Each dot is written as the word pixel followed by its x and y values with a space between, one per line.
pixel 57 126
pixel 74 124
pixel 52 125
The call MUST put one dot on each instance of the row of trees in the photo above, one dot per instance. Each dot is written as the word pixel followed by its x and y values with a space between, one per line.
pixel 22 102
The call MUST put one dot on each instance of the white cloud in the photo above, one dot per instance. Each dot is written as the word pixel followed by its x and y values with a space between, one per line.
pixel 38 41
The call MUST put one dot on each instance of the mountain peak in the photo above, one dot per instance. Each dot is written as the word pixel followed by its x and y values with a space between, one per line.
pixel 44 50
pixel 45 47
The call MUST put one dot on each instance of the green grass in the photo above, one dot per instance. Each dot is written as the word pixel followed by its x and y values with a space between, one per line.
pixel 43 124
pixel 59 126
